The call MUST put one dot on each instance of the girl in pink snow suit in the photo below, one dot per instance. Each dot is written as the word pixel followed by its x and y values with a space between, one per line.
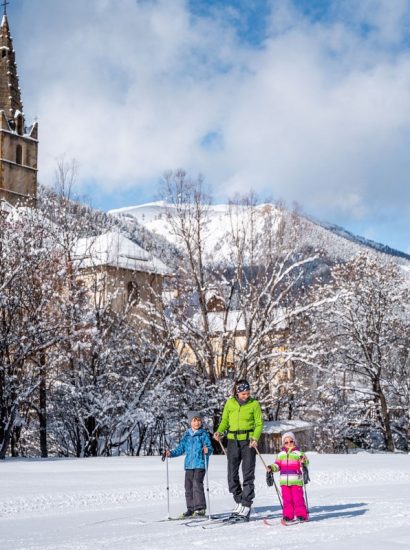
pixel 289 463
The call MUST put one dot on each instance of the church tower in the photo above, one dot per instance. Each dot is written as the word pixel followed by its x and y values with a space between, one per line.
pixel 18 144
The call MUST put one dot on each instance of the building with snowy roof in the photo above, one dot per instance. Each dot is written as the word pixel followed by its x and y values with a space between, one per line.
pixel 120 273
pixel 271 438
pixel 227 329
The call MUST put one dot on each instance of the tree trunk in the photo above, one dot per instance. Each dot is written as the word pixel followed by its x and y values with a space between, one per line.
pixel 384 416
pixel 92 445
pixel 43 407
pixel 14 439
pixel 141 431
pixel 78 439
pixel 7 434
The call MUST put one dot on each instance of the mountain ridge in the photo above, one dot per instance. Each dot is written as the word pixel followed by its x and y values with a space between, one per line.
pixel 152 216
pixel 354 237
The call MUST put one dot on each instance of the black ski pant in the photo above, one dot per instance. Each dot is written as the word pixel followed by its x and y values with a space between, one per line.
pixel 239 451
pixel 194 489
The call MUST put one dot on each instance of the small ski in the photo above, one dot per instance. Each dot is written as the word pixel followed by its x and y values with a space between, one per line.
pixel 292 522
pixel 269 523
pixel 191 519
pixel 179 518
pixel 169 519
pixel 224 522
pixel 201 520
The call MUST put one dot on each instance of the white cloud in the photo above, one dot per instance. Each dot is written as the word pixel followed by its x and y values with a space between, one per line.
pixel 320 114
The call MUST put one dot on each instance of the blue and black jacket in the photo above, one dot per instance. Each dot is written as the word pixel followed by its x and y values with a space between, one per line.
pixel 192 444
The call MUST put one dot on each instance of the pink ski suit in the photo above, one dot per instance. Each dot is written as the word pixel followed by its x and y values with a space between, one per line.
pixel 288 463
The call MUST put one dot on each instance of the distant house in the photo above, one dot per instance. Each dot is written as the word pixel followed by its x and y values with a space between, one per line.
pixel 228 327
pixel 115 269
pixel 271 439
pixel 5 207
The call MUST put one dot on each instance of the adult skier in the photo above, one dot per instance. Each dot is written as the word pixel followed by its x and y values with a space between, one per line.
pixel 242 420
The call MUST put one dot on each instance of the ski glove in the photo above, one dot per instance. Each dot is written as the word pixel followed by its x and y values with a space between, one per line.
pixel 269 479
pixel 306 477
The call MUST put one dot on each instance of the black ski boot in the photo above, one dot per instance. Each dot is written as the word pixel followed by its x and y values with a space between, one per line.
pixel 244 514
pixel 187 514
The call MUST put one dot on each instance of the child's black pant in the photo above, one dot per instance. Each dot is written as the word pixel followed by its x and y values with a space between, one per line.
pixel 194 489
pixel 240 452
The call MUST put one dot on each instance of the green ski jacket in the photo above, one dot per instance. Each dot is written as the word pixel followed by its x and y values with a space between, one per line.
pixel 245 418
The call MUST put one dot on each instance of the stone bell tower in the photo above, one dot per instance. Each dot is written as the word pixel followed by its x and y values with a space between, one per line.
pixel 18 144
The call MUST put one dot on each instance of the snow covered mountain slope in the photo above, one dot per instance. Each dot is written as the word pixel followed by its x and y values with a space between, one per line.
pixel 336 241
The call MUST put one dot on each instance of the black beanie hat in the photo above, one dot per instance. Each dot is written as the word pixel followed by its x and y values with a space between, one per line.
pixel 243 386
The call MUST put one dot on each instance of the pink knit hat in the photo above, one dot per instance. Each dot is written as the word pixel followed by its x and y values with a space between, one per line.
pixel 291 435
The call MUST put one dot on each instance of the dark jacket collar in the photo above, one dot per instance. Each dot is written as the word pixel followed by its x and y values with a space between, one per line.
pixel 243 402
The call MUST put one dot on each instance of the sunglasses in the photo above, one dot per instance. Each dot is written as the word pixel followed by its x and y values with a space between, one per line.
pixel 288 442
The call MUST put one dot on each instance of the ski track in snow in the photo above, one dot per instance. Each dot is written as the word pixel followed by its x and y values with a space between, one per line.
pixel 84 500
pixel 106 503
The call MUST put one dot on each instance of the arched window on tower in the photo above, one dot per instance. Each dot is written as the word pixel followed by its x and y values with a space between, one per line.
pixel 19 154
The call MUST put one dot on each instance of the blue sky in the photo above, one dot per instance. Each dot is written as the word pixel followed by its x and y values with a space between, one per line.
pixel 307 101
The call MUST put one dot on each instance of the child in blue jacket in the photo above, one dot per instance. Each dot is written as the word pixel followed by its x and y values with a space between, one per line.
pixel 197 446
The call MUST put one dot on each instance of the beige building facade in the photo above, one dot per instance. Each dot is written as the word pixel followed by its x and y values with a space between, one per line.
pixel 118 273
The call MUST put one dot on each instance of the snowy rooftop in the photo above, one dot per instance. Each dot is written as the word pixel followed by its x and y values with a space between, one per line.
pixel 235 321
pixel 5 206
pixel 281 426
pixel 115 250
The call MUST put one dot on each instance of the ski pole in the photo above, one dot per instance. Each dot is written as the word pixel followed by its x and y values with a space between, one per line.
pixel 304 490
pixel 260 456
pixel 274 482
pixel 166 458
pixel 222 446
pixel 207 485
pixel 306 498
pixel 169 515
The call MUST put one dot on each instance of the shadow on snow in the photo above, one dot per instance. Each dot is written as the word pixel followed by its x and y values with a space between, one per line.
pixel 320 513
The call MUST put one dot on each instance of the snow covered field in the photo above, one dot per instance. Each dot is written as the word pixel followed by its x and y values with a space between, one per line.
pixel 360 501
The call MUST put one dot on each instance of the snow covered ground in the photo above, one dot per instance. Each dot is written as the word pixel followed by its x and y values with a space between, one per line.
pixel 360 501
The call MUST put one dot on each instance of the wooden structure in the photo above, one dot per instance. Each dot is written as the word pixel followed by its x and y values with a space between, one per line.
pixel 271 439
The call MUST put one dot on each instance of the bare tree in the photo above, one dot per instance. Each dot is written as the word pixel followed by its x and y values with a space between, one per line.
pixel 367 328
pixel 188 218
pixel 29 285
pixel 236 297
